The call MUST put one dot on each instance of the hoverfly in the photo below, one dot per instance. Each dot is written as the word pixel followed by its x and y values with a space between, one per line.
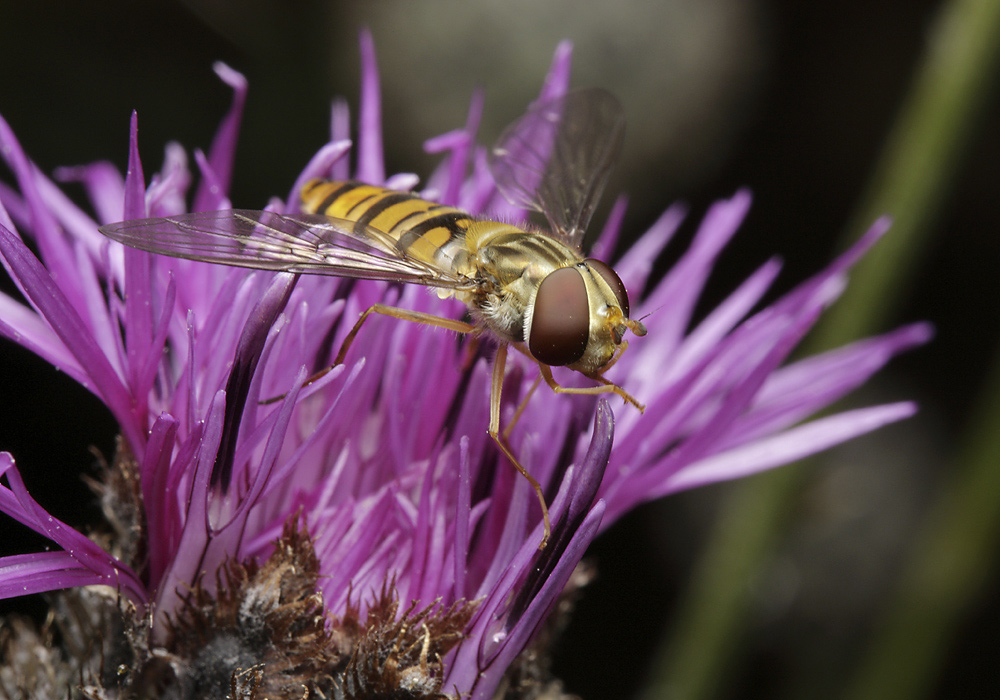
pixel 530 289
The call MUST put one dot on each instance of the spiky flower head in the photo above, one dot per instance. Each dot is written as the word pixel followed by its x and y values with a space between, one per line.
pixel 367 540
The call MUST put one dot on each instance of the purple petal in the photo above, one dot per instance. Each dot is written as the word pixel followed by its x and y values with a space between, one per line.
pixel 797 391
pixel 787 447
pixel 223 151
pixel 462 518
pixel 320 165
pixel 53 305
pixel 402 181
pixel 340 131
pixel 244 365
pixel 371 166
pixel 215 195
pixel 156 347
pixel 623 493
pixel 42 572
pixel 156 496
pixel 460 143
pixel 135 184
pixel 503 626
pixel 557 80
pixel 604 247
pixel 26 328
pixel 582 487
pixel 711 331
pixel 637 262
pixel 195 535
pixel 50 241
pixel 682 286
pixel 167 191
pixel 18 504
pixel 104 186
pixel 827 285
pixel 79 228
pixel 138 281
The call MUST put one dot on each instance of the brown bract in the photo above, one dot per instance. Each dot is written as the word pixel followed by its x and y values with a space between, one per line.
pixel 261 631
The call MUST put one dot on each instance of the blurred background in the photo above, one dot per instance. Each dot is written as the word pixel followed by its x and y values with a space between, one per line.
pixel 792 100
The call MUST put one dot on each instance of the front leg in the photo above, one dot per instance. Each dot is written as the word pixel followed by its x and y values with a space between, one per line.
pixel 606 387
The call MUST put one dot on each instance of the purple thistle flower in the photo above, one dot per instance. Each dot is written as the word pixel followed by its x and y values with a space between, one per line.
pixel 422 541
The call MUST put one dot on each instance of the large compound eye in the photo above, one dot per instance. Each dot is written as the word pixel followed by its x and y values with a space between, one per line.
pixel 560 321
pixel 613 280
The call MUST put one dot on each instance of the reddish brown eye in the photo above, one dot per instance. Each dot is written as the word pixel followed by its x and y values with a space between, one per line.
pixel 613 280
pixel 560 321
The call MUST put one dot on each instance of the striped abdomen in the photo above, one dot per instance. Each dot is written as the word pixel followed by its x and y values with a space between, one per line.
pixel 432 233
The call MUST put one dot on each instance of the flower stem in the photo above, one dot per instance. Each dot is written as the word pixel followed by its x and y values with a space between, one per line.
pixel 937 122
pixel 910 182
pixel 951 559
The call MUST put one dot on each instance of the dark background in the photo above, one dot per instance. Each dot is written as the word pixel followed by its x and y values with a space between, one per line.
pixel 790 99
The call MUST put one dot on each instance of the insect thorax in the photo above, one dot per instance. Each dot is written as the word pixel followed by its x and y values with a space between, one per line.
pixel 511 264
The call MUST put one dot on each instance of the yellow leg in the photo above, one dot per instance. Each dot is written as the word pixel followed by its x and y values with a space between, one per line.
pixel 404 314
pixel 499 364
pixel 520 409
pixel 619 351
pixel 471 348
pixel 606 387
pixel 314 378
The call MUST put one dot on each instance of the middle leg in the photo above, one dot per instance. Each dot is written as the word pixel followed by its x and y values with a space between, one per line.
pixel 499 364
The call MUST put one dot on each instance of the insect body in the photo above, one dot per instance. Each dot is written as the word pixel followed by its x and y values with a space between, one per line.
pixel 531 290
pixel 527 287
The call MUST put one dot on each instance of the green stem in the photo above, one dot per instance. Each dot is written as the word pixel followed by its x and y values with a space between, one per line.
pixel 951 559
pixel 917 165
pixel 910 182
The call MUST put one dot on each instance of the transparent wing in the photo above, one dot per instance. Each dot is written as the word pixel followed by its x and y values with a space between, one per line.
pixel 265 240
pixel 557 157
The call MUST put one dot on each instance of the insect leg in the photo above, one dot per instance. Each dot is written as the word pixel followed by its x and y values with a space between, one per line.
pixel 619 351
pixel 314 378
pixel 471 348
pixel 406 315
pixel 499 364
pixel 606 387
pixel 520 409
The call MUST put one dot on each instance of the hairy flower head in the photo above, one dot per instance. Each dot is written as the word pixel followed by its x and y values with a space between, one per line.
pixel 361 535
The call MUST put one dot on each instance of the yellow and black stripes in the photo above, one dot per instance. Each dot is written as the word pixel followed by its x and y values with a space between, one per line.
pixel 529 249
pixel 421 229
